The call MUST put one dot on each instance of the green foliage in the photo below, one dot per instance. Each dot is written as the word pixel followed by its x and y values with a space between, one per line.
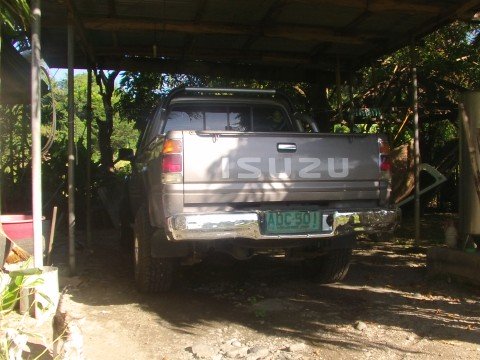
pixel 15 143
pixel 14 13
pixel 139 93
pixel 26 278
pixel 124 135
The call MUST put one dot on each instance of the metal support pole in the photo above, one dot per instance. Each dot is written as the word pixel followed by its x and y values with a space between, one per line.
pixel 1 138
pixel 36 137
pixel 89 159
pixel 71 153
pixel 416 142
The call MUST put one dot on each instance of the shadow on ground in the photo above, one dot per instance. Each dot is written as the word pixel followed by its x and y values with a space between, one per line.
pixel 386 288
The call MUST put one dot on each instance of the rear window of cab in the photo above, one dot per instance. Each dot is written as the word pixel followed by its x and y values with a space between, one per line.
pixel 243 118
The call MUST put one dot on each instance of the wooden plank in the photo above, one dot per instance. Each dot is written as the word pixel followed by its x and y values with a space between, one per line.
pixel 445 261
pixel 80 31
pixel 270 15
pixel 378 6
pixel 291 32
pixel 209 54
pixel 176 66
pixel 447 14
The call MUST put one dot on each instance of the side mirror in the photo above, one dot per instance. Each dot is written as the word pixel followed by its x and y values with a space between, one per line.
pixel 125 154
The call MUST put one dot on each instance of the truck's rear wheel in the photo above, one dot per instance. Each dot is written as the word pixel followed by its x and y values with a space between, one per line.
pixel 152 275
pixel 381 237
pixel 329 268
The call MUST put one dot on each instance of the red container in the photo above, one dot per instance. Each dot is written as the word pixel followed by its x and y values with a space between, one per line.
pixel 18 227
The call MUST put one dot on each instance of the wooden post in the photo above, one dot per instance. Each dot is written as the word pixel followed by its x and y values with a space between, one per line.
pixel 89 160
pixel 1 137
pixel 469 167
pixel 36 105
pixel 71 152
pixel 416 142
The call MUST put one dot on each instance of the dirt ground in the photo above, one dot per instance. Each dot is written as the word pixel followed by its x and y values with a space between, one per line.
pixel 264 309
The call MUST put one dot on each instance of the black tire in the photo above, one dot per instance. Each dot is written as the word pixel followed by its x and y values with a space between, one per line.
pixel 126 230
pixel 381 237
pixel 126 239
pixel 152 275
pixel 329 268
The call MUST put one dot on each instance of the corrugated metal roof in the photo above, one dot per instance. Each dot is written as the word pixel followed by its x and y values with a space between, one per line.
pixel 301 37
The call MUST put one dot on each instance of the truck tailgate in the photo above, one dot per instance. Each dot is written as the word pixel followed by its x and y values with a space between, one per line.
pixel 233 168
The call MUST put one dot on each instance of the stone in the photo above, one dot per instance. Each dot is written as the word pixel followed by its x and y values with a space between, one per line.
pixel 360 326
pixel 237 352
pixel 296 347
pixel 203 351
pixel 257 352
pixel 225 348
pixel 275 305
pixel 284 356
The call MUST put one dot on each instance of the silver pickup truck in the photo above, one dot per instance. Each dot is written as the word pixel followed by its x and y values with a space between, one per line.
pixel 233 170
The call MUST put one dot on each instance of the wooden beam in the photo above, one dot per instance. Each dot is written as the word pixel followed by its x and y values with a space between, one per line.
pixel 175 66
pixel 202 5
pixel 267 19
pixel 378 6
pixel 189 42
pixel 311 34
pixel 446 16
pixel 36 121
pixel 469 6
pixel 212 54
pixel 80 30
pixel 291 32
pixel 112 8
pixel 112 12
pixel 71 150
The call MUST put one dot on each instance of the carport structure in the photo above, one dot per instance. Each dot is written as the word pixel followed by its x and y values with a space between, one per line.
pixel 297 40
pixel 316 41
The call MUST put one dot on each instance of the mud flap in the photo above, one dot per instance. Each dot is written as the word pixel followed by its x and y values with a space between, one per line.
pixel 161 247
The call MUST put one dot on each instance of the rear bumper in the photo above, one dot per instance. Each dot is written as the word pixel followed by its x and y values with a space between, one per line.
pixel 249 225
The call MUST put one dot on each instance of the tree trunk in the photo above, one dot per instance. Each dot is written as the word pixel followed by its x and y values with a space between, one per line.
pixel 105 127
pixel 317 97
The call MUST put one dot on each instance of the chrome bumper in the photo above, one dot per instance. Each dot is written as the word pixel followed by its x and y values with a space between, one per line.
pixel 248 225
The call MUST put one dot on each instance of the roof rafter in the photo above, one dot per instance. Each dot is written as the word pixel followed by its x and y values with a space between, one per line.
pixel 242 71
pixel 198 17
pixel 80 31
pixel 267 18
pixel 291 32
pixel 448 13
pixel 112 11
pixel 212 54
pixel 377 6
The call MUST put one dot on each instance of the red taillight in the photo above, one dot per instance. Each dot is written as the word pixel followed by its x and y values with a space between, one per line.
pixel 172 146
pixel 385 163
pixel 172 163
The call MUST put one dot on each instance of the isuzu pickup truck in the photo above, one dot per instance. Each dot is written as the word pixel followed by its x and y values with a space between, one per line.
pixel 233 170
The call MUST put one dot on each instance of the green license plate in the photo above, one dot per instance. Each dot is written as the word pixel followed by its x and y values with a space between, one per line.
pixel 292 222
